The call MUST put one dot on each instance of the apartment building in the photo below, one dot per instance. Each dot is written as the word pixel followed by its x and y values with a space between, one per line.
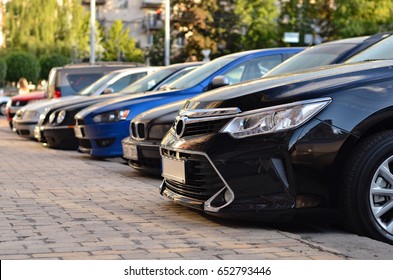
pixel 142 17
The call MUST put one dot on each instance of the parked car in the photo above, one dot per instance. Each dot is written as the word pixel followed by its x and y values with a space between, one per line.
pixel 102 127
pixel 147 130
pixel 27 117
pixel 65 81
pixel 320 141
pixel 3 103
pixel 56 134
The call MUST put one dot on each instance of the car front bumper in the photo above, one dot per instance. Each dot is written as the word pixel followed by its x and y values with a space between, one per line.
pixel 103 139
pixel 143 155
pixel 24 129
pixel 257 178
pixel 60 137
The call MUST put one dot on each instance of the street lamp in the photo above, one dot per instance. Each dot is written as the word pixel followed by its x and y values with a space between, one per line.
pixel 167 31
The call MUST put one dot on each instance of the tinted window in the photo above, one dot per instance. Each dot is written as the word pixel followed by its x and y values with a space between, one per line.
pixel 312 57
pixel 175 76
pixel 381 50
pixel 125 81
pixel 148 82
pixel 252 69
pixel 97 84
pixel 80 81
pixel 198 75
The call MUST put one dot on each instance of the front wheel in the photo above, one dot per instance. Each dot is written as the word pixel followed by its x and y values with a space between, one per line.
pixel 367 190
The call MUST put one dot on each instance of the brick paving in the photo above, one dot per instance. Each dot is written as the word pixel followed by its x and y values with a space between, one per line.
pixel 64 205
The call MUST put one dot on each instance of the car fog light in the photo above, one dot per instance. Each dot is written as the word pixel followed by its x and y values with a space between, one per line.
pixel 228 195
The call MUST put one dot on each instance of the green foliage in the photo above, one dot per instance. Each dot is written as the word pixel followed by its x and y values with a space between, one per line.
pixel 50 61
pixel 21 64
pixel 119 45
pixel 258 23
pixel 44 27
pixel 3 70
pixel 156 52
pixel 334 19
pixel 194 21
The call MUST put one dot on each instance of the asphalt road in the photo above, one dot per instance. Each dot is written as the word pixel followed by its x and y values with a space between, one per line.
pixel 65 205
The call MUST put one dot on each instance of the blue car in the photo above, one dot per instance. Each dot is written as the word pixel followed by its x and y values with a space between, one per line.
pixel 101 128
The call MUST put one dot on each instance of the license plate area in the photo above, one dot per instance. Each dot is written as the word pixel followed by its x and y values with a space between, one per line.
pixel 130 152
pixel 174 169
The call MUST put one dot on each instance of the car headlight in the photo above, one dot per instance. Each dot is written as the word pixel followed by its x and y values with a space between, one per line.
pixel 158 131
pixel 274 119
pixel 61 116
pixel 113 116
pixel 52 117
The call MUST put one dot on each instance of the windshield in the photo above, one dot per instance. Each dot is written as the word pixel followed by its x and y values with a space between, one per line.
pixel 313 57
pixel 89 90
pixel 198 75
pixel 381 50
pixel 149 82
pixel 175 76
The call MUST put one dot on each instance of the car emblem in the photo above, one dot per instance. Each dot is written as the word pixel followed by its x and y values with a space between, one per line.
pixel 179 126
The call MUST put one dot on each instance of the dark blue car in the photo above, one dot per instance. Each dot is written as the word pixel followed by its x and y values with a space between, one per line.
pixel 101 127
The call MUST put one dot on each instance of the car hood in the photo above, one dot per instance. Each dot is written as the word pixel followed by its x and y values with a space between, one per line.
pixel 125 101
pixel 292 87
pixel 162 114
pixel 40 105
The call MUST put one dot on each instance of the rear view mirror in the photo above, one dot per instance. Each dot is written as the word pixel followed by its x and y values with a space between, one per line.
pixel 219 81
pixel 108 90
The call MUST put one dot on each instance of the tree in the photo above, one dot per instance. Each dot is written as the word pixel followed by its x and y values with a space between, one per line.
pixel 3 71
pixel 41 27
pixel 119 45
pixel 50 61
pixel 334 19
pixel 193 24
pixel 21 64
pixel 259 23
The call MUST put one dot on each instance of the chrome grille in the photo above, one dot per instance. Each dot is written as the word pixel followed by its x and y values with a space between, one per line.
pixel 202 181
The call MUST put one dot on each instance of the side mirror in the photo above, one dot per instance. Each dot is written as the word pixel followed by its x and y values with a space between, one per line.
pixel 219 81
pixel 108 90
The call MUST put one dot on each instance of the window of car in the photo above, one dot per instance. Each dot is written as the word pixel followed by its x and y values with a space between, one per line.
pixel 201 73
pixel 380 50
pixel 253 68
pixel 97 84
pixel 82 80
pixel 126 80
pixel 147 83
pixel 312 57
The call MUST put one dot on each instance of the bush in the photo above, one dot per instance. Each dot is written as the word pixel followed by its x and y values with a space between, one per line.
pixel 50 61
pixel 3 70
pixel 21 64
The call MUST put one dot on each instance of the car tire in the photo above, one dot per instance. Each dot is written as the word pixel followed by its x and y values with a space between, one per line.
pixel 367 191
pixel 2 108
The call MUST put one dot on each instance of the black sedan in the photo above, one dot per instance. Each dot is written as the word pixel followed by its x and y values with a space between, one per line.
pixel 148 129
pixel 320 141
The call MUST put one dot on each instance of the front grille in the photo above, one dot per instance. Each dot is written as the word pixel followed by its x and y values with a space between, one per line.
pixel 202 181
pixel 138 130
pixel 196 128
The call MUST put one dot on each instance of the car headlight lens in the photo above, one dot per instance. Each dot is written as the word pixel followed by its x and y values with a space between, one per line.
pixel 113 116
pixel 157 132
pixel 61 116
pixel 52 117
pixel 274 119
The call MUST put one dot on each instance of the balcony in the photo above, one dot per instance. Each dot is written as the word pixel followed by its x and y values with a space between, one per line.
pixel 151 4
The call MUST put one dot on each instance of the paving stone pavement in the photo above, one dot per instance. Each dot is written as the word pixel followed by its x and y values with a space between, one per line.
pixel 64 205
